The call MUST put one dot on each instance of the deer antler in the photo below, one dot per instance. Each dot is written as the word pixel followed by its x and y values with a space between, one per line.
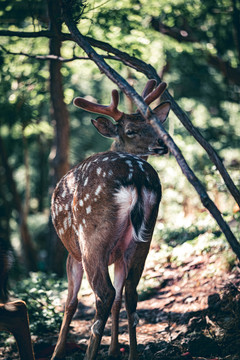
pixel 150 95
pixel 110 110
pixel 150 85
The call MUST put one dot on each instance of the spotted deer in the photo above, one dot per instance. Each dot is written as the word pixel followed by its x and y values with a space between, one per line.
pixel 104 211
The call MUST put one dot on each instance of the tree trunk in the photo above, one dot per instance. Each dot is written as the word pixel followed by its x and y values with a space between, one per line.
pixel 60 164
pixel 29 253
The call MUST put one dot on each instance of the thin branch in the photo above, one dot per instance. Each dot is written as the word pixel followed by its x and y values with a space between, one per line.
pixel 177 34
pixel 27 34
pixel 148 115
pixel 54 57
pixel 43 57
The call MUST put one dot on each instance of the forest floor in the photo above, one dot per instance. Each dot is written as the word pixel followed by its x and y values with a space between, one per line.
pixel 188 310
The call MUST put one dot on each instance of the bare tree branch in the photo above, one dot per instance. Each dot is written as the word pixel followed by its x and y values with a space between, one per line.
pixel 27 34
pixel 44 57
pixel 147 114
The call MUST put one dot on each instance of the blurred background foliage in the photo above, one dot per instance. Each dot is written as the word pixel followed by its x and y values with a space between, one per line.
pixel 194 46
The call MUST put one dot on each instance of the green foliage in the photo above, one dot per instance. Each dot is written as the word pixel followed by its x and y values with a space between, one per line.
pixel 42 294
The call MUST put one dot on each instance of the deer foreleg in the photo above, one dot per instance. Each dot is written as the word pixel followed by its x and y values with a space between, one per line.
pixel 74 273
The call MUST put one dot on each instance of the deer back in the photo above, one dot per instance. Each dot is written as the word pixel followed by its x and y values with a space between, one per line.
pixel 102 192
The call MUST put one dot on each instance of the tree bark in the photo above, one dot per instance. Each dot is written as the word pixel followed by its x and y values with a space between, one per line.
pixel 60 117
pixel 149 116
pixel 29 253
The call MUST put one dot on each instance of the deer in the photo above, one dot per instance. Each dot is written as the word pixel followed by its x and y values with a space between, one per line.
pixel 13 313
pixel 104 211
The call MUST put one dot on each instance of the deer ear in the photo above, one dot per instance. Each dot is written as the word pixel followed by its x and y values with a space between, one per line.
pixel 162 111
pixel 105 127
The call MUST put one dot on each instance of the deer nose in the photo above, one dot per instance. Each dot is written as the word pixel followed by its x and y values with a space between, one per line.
pixel 163 146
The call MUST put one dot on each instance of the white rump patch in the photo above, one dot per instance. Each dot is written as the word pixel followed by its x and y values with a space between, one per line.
pixel 126 198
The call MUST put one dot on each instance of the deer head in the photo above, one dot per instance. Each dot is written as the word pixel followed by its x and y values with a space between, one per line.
pixel 131 132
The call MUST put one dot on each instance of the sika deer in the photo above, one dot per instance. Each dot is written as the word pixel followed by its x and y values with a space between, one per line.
pixel 104 211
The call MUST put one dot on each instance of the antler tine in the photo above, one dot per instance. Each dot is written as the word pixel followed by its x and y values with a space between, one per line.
pixel 110 110
pixel 148 87
pixel 155 93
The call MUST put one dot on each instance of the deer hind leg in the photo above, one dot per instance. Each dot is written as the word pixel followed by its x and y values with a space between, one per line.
pixel 131 295
pixel 75 274
pixel 100 282
pixel 119 280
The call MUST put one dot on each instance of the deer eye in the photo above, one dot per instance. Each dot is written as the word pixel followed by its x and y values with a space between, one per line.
pixel 131 133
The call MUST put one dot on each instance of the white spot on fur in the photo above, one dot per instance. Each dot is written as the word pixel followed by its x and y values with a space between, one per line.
pixel 86 181
pixel 65 223
pixel 80 229
pixel 64 193
pixel 104 174
pixel 75 230
pixel 99 170
pixel 140 165
pixel 86 197
pixel 66 207
pixel 88 209
pixel 110 173
pixel 69 220
pixel 89 163
pixel 60 208
pixel 105 159
pixel 61 232
pixel 129 163
pixel 99 188
pixel 83 221
pixel 130 176
pixel 81 202
pixel 122 156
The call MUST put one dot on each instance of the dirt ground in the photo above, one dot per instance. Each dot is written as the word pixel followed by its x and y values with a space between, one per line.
pixel 192 313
